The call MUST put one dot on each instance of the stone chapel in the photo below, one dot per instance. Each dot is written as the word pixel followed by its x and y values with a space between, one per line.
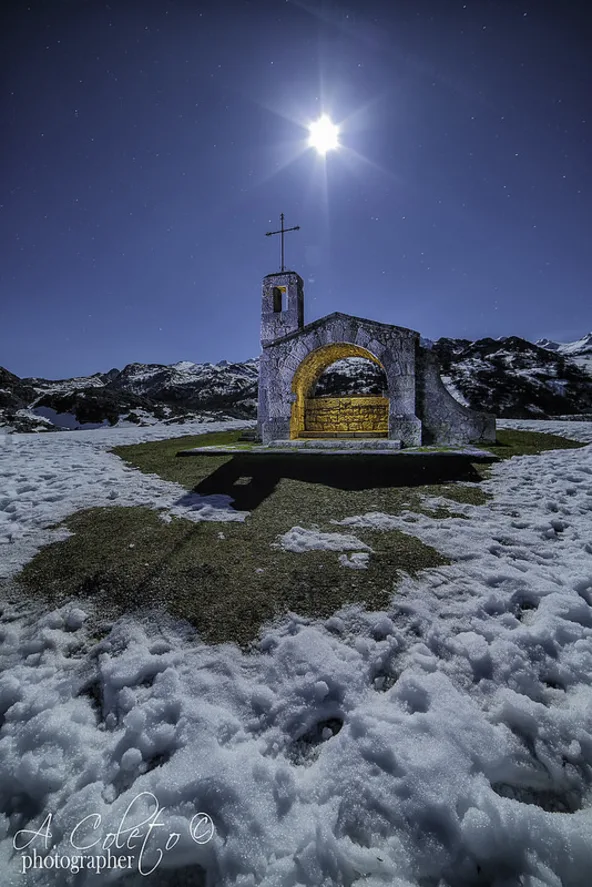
pixel 415 408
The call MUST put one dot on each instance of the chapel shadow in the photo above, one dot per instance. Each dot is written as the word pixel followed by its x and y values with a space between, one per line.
pixel 251 479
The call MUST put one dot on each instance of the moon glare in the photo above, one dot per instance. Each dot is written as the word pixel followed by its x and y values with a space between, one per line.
pixel 323 135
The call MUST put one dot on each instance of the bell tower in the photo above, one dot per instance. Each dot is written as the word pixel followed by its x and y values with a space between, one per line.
pixel 282 305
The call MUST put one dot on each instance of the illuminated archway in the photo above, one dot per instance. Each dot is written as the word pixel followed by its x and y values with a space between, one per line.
pixel 343 415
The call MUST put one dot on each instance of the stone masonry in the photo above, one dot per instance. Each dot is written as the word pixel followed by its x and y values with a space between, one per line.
pixel 363 416
pixel 418 409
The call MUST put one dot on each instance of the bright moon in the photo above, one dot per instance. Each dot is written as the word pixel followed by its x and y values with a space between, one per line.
pixel 324 135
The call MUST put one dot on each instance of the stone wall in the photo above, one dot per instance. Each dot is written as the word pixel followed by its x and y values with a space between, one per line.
pixel 420 409
pixel 347 414
pixel 444 419
pixel 290 366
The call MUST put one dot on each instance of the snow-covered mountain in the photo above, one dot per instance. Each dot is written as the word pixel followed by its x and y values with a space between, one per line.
pixel 98 380
pixel 198 386
pixel 351 376
pixel 509 376
pixel 514 378
pixel 579 351
pixel 141 394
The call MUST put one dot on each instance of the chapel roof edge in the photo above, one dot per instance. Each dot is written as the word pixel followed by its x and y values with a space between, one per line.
pixel 337 315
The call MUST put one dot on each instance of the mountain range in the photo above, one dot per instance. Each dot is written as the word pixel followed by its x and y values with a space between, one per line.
pixel 510 377
pixel 579 351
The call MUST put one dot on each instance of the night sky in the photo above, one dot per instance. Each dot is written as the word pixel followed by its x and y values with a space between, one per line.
pixel 148 146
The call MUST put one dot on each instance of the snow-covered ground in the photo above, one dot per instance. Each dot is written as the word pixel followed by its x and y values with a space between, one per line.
pixel 573 429
pixel 447 741
pixel 45 478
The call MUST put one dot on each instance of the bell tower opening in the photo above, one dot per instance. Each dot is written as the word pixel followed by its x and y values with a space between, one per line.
pixel 278 299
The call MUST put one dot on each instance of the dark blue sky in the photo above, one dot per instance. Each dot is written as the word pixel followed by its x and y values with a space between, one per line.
pixel 145 150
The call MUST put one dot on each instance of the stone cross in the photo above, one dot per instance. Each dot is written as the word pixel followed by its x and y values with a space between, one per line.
pixel 282 231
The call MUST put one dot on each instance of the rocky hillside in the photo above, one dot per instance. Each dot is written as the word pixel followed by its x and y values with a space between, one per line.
pixel 514 378
pixel 510 377
pixel 580 352
pixel 351 376
pixel 201 387
pixel 14 392
pixel 140 394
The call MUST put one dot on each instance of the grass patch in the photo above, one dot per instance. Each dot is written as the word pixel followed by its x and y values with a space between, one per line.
pixel 226 578
pixel 160 457
pixel 528 443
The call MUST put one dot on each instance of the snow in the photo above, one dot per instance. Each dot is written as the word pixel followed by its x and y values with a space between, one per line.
pixel 584 361
pixel 221 376
pixel 580 346
pixel 184 366
pixel 32 415
pixel 579 352
pixel 548 344
pixel 63 386
pixel 300 540
pixel 358 560
pixel 574 429
pixel 44 479
pixel 445 741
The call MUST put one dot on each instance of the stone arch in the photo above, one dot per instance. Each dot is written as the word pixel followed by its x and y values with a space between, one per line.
pixel 312 367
